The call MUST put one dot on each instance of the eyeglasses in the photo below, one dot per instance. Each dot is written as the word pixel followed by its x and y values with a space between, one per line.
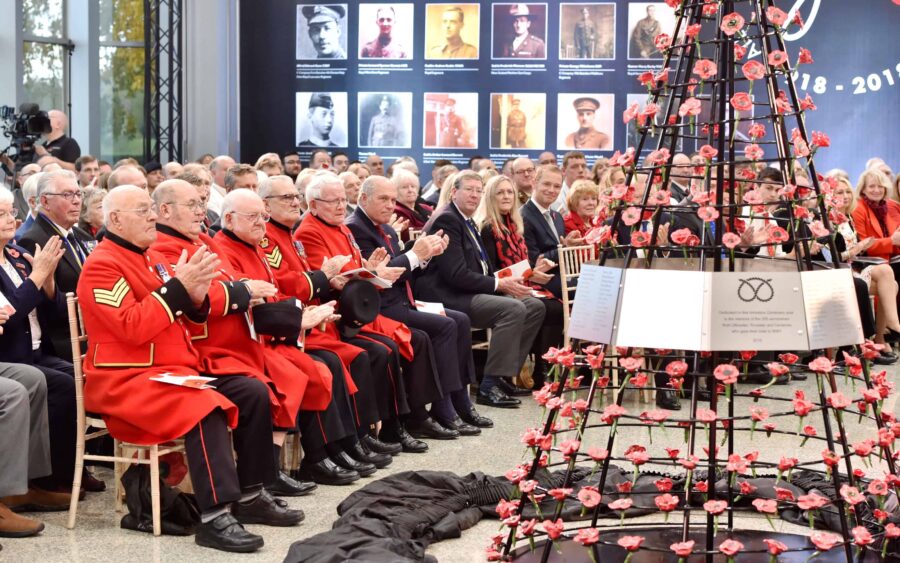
pixel 69 196
pixel 339 202
pixel 254 217
pixel 140 211
pixel 194 206
pixel 286 198
pixel 11 213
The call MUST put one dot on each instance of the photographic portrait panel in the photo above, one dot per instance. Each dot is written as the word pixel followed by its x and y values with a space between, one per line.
pixel 646 20
pixel 386 31
pixel 451 120
pixel 322 32
pixel 452 31
pixel 321 119
pixel 518 121
pixel 585 121
pixel 385 119
pixel 587 31
pixel 519 31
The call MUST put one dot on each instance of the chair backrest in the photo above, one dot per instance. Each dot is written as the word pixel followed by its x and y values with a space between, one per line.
pixel 570 260
pixel 76 337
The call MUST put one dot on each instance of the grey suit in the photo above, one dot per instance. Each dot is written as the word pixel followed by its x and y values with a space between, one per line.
pixel 24 430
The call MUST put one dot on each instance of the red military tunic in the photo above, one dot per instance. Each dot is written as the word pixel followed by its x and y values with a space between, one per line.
pixel 322 241
pixel 134 314
pixel 295 277
pixel 225 342
pixel 248 262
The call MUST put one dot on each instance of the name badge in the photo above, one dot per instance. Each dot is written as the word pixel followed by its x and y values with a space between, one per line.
pixel 163 273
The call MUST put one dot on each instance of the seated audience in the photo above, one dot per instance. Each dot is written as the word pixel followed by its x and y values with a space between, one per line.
pixel 137 322
pixel 463 279
pixel 408 208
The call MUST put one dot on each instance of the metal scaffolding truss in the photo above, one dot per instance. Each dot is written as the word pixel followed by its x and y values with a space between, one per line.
pixel 163 93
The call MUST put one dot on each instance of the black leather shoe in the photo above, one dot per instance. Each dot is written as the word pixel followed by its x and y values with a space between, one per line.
pixel 268 510
pixel 667 399
pixel 285 486
pixel 363 468
pixel 377 446
pixel 90 483
pixel 464 428
pixel 472 417
pixel 429 428
pixel 497 398
pixel 326 472
pixel 409 444
pixel 885 359
pixel 225 533
pixel 513 390
pixel 361 453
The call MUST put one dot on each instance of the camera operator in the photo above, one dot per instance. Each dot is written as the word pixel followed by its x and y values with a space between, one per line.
pixel 58 147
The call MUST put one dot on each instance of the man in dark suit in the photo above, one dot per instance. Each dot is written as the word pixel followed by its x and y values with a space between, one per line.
pixel 60 206
pixel 462 278
pixel 450 334
pixel 544 227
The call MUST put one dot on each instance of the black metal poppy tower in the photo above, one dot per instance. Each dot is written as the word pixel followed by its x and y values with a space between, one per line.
pixel 726 35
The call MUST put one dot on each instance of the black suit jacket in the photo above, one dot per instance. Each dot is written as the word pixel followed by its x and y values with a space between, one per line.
pixel 540 240
pixel 456 276
pixel 15 342
pixel 67 273
pixel 368 238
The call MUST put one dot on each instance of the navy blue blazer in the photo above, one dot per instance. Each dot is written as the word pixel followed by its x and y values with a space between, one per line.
pixel 540 240
pixel 368 239
pixel 15 342
pixel 456 276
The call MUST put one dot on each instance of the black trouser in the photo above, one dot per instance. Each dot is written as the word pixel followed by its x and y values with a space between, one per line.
pixel 387 381
pixel 61 412
pixel 337 422
pixel 209 451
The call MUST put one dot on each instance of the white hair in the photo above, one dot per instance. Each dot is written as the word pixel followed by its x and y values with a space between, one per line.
pixel 232 198
pixel 48 180
pixel 29 190
pixel 6 196
pixel 110 202
pixel 265 187
pixel 319 180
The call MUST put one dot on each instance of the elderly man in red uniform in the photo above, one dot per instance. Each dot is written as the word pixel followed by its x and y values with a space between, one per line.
pixel 323 233
pixel 331 455
pixel 228 341
pixel 136 311
pixel 294 276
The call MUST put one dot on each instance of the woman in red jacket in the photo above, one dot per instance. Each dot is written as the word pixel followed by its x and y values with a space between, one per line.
pixel 877 215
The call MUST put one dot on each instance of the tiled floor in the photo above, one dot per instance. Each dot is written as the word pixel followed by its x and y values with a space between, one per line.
pixel 98 537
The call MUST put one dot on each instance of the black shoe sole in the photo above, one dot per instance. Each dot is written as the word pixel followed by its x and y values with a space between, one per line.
pixel 23 534
pixel 236 549
pixel 292 492
pixel 497 405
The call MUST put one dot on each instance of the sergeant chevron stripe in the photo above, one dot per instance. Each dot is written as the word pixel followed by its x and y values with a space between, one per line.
pixel 274 258
pixel 112 297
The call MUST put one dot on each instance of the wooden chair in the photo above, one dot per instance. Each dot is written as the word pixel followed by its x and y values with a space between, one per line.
pixel 570 260
pixel 123 453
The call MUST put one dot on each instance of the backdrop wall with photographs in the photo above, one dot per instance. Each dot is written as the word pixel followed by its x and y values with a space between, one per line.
pixel 450 80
